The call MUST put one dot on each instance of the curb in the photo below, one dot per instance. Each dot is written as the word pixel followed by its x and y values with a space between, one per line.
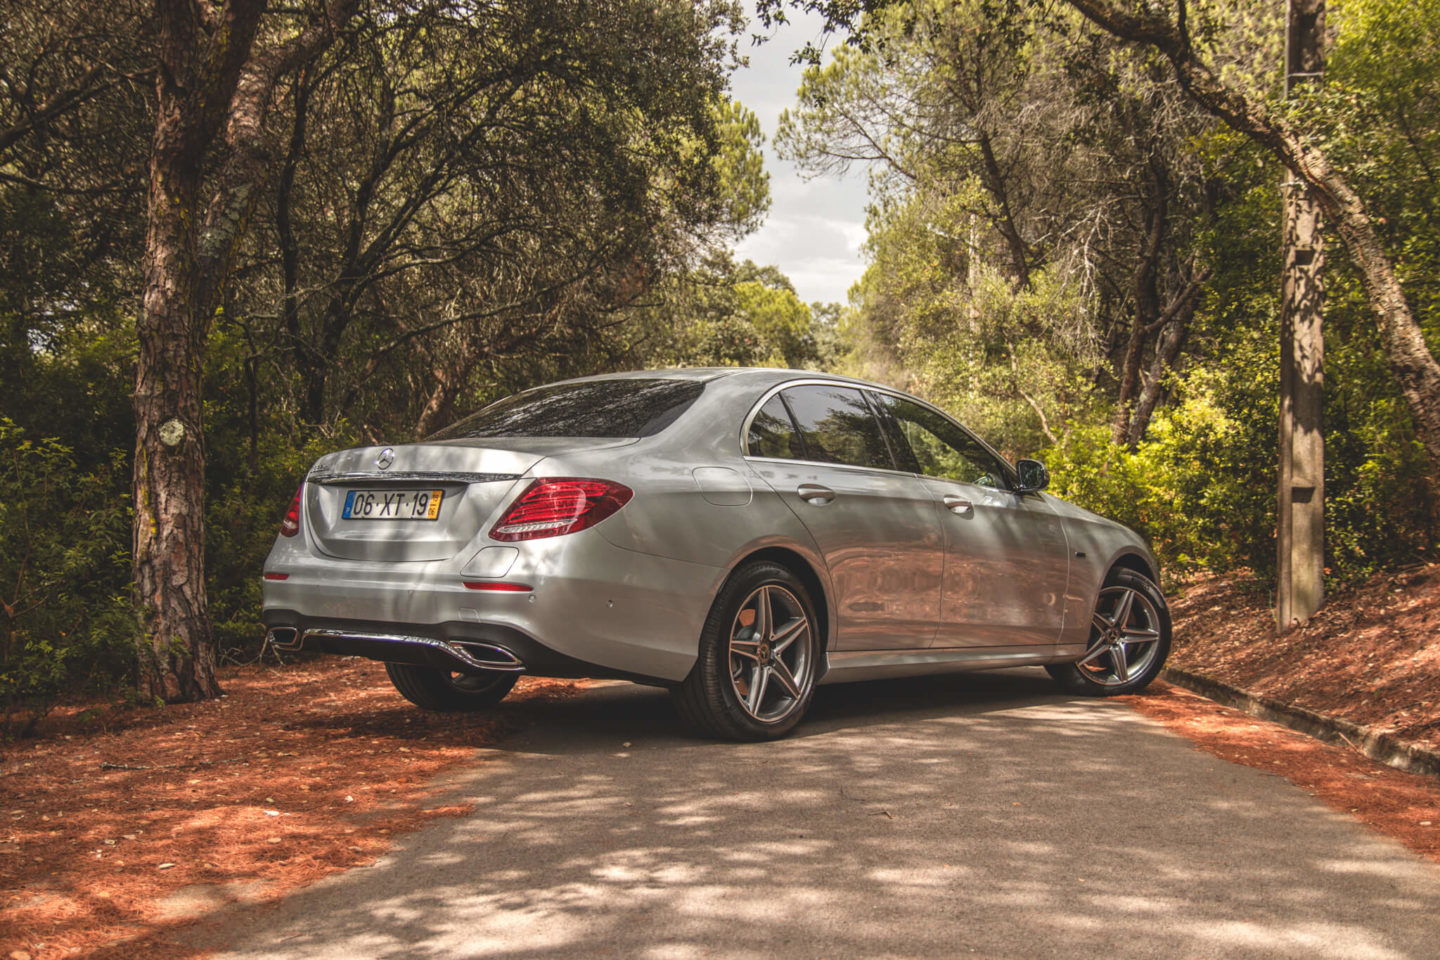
pixel 1388 749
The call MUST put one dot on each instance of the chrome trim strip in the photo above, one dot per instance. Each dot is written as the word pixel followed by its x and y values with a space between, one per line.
pixel 849 665
pixel 427 476
pixel 460 650
pixel 839 466
pixel 862 386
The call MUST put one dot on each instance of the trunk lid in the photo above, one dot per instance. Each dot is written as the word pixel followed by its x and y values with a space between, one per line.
pixel 356 509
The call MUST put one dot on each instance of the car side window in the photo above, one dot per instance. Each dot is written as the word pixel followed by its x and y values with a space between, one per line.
pixel 940 448
pixel 838 426
pixel 772 433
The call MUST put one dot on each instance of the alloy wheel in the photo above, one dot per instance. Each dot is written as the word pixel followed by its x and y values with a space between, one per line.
pixel 1124 637
pixel 770 661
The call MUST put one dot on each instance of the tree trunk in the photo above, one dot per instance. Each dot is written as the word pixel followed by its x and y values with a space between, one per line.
pixel 177 660
pixel 1410 360
pixel 176 654
pixel 435 407
pixel 1129 379
pixel 993 179
pixel 1172 337
pixel 1173 324
pixel 1145 293
pixel 206 80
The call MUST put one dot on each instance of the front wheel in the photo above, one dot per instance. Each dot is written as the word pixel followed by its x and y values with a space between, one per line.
pixel 446 692
pixel 1129 640
pixel 758 657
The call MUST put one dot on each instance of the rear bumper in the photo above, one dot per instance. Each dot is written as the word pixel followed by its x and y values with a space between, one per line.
pixel 461 647
pixel 619 612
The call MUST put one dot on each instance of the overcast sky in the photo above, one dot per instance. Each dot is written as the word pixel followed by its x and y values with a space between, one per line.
pixel 814 230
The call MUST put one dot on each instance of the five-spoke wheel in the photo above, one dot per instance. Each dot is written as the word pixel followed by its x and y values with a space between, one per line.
pixel 758 650
pixel 1129 639
pixel 765 659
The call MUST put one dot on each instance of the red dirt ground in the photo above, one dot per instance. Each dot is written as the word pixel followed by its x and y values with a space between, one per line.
pixel 1371 655
pixel 311 769
pixel 295 774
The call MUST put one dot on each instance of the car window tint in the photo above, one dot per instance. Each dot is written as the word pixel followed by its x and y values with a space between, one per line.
pixel 940 448
pixel 838 426
pixel 772 433
pixel 894 435
pixel 596 408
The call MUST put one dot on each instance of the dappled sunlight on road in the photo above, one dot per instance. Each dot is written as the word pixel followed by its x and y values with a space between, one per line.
pixel 980 815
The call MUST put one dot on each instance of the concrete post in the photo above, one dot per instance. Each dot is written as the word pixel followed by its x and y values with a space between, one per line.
pixel 1301 530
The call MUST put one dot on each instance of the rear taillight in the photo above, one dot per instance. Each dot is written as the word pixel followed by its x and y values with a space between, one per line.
pixel 555 505
pixel 291 524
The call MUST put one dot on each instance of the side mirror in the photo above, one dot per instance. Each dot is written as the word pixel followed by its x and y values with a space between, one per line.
pixel 1033 476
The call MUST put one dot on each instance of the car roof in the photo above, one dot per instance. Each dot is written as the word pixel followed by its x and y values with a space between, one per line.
pixel 755 374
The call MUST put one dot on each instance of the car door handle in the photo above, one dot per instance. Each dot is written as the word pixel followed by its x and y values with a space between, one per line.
pixel 958 504
pixel 815 493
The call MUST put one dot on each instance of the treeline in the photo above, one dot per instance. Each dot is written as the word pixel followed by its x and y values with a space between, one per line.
pixel 1074 253
pixel 436 203
pixel 428 204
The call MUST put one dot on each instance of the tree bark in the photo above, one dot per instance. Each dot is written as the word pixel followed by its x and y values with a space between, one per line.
pixel 1173 324
pixel 1410 360
pixel 199 66
pixel 208 78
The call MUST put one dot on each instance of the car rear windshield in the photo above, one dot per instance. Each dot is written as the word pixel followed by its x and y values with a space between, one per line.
pixel 595 408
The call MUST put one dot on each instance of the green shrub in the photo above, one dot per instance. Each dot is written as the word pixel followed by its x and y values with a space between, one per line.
pixel 64 575
pixel 1201 486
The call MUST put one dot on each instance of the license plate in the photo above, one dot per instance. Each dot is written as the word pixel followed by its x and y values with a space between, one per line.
pixel 392 504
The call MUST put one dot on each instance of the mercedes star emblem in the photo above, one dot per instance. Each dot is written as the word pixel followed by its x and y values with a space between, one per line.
pixel 387 457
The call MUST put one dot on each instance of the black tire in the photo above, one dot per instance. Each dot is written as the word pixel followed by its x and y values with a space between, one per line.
pixel 1099 672
pixel 715 697
pixel 448 692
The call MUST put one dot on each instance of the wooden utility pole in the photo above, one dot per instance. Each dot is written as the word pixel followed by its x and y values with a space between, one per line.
pixel 1301 533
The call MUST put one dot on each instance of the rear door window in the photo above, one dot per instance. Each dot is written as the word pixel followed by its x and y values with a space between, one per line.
pixel 838 426
pixel 596 408
pixel 773 434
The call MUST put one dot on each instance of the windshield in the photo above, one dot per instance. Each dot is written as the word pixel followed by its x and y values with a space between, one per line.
pixel 594 408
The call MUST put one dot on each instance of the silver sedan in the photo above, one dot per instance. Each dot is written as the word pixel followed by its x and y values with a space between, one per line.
pixel 736 535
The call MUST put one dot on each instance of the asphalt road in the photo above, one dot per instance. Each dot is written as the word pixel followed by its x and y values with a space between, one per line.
pixel 982 816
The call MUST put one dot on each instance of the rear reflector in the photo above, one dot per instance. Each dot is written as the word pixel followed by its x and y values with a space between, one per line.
pixel 277 576
pixel 497 587
pixel 552 506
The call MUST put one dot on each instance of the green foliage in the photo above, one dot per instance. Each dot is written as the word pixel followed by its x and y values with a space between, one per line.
pixel 1025 341
pixel 464 200
pixel 1201 483
pixel 730 315
pixel 468 200
pixel 1377 112
pixel 64 550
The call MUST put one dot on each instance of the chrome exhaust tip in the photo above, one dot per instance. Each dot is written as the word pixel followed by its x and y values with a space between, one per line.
pixel 489 655
pixel 283 638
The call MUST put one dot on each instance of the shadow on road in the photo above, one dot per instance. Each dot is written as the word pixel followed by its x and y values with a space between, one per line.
pixel 984 815
pixel 648 712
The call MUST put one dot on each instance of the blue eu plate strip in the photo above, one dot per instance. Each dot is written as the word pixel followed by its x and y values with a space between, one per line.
pixel 349 502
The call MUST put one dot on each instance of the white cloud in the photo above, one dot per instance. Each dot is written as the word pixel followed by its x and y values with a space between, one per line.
pixel 815 227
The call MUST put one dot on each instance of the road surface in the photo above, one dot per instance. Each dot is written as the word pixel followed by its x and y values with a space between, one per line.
pixel 984 816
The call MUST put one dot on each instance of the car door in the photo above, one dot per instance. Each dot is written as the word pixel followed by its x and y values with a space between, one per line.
pixel 820 447
pixel 1006 556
